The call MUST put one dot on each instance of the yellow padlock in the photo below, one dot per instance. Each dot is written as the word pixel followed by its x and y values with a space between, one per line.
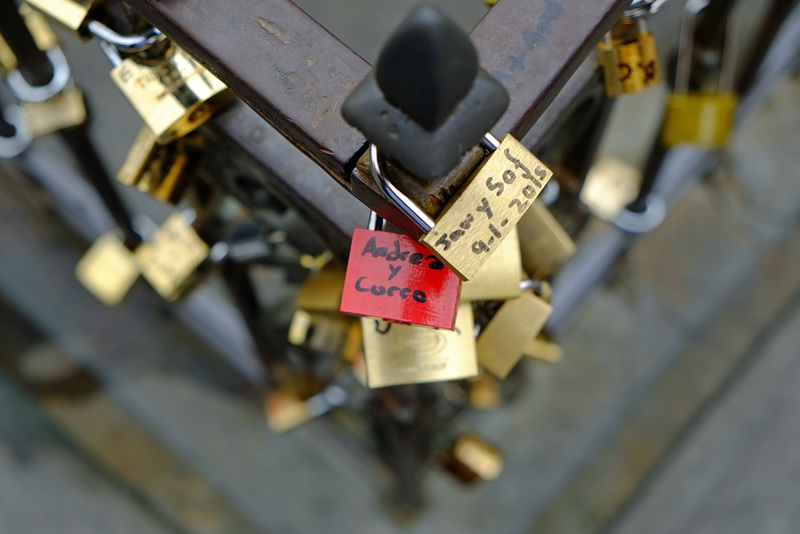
pixel 700 119
pixel 173 97
pixel 631 64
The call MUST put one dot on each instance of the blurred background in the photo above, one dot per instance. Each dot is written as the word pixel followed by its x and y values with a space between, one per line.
pixel 672 409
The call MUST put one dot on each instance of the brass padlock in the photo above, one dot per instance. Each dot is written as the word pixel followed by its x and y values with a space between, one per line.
pixel 694 118
pixel 484 210
pixel 108 269
pixel 500 276
pixel 472 459
pixel 74 14
pixel 322 290
pixel 39 29
pixel 65 110
pixel 543 242
pixel 630 64
pixel 320 331
pixel 163 171
pixel 171 260
pixel 410 354
pixel 173 97
pixel 502 341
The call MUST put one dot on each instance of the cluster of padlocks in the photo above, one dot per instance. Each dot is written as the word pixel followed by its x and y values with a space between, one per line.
pixel 451 288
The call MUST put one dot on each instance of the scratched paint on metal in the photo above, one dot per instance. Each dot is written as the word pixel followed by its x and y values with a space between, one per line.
pixel 392 277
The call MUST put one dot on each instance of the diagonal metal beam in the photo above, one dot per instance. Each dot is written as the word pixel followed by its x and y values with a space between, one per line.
pixel 533 48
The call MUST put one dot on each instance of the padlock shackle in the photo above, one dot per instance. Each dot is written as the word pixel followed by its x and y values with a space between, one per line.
pixel 125 43
pixel 380 174
pixel 376 222
pixel 26 92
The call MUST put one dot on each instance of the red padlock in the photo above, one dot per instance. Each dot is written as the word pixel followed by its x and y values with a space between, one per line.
pixel 392 277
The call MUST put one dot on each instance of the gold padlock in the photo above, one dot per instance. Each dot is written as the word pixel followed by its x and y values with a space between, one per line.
pixel 173 97
pixel 320 331
pixel 543 242
pixel 500 276
pixel 502 341
pixel 484 210
pixel 629 64
pixel 74 14
pixel 411 354
pixel 108 269
pixel 170 261
pixel 322 290
pixel 163 171
pixel 701 119
pixel 65 110
pixel 39 29
pixel 472 459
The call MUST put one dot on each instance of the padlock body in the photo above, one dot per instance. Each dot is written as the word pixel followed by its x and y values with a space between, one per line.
pixel 650 65
pixel 108 269
pixel 500 276
pixel 174 97
pixel 544 244
pixel 170 260
pixel 65 110
pixel 163 171
pixel 392 277
pixel 516 323
pixel 486 208
pixel 703 120
pixel 409 354
pixel 629 67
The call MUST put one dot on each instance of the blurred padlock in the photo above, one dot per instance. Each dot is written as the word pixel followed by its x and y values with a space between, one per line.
pixel 702 119
pixel 630 61
pixel 174 96
pixel 411 354
pixel 108 269
pixel 543 242
pixel 64 110
pixel 499 277
pixel 502 341
pixel 472 459
pixel 163 171
pixel 173 259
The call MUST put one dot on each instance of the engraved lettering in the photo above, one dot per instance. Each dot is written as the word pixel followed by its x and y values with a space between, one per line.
pixel 444 241
pixel 492 186
pixel 485 208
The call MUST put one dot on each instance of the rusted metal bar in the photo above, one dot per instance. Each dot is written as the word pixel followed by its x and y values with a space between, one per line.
pixel 280 61
pixel 533 48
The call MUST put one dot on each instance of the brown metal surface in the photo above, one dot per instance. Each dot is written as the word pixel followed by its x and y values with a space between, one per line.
pixel 533 48
pixel 280 62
